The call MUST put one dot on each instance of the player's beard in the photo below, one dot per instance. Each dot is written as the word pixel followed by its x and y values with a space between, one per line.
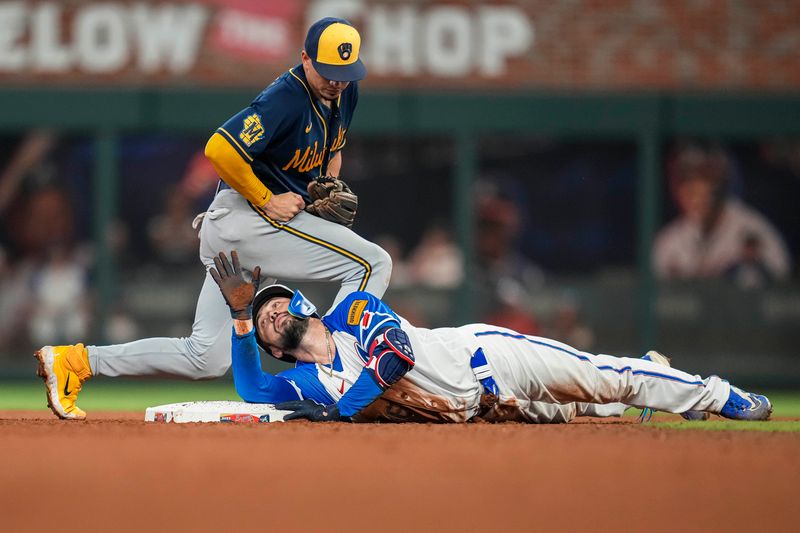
pixel 293 334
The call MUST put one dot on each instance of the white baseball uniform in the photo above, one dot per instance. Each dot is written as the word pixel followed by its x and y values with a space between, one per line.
pixel 535 379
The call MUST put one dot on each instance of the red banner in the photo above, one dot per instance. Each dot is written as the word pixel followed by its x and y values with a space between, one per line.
pixel 454 44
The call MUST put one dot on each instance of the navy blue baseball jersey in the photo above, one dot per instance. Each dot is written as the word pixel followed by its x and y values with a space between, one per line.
pixel 287 136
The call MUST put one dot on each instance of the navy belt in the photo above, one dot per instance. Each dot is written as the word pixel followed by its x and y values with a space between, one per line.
pixel 482 371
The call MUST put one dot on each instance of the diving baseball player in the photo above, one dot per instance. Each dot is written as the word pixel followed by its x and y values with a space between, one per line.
pixel 361 351
pixel 280 204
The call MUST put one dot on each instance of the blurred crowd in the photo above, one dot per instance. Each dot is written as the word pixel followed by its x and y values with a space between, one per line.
pixel 47 244
pixel 716 234
pixel 43 267
pixel 710 233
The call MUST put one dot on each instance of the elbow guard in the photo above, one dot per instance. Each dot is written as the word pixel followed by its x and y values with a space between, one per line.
pixel 390 357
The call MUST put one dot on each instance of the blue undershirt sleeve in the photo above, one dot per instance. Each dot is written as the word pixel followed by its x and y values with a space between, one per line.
pixel 251 382
pixel 363 392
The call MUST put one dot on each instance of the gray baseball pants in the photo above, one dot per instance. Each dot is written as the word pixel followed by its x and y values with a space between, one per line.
pixel 307 248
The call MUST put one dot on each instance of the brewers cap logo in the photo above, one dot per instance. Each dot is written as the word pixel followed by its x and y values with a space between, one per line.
pixel 345 50
pixel 333 46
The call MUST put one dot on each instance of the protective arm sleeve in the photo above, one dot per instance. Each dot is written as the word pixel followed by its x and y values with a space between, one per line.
pixel 235 171
pixel 251 382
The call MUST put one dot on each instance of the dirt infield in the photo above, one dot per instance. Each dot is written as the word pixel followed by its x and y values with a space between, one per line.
pixel 116 473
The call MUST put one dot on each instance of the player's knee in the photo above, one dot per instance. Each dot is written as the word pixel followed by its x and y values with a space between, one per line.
pixel 381 265
pixel 391 357
pixel 210 357
pixel 382 262
pixel 211 370
pixel 376 266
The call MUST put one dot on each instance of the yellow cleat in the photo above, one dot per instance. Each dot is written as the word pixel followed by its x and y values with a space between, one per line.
pixel 64 369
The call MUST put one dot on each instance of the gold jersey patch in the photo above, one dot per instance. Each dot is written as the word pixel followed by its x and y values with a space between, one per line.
pixel 252 130
pixel 354 315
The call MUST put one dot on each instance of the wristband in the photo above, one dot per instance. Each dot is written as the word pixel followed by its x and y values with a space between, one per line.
pixel 242 314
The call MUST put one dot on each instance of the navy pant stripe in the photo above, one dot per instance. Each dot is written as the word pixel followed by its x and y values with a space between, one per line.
pixel 585 358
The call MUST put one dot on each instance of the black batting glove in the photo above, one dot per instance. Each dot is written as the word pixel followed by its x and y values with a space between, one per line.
pixel 311 410
pixel 237 292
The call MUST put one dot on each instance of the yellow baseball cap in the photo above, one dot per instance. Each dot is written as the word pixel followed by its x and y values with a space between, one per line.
pixel 333 46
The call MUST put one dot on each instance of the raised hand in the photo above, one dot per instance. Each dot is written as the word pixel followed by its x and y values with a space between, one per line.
pixel 237 292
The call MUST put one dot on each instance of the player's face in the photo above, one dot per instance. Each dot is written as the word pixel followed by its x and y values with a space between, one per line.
pixel 321 87
pixel 278 329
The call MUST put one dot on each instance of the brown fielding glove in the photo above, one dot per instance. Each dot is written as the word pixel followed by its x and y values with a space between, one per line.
pixel 332 200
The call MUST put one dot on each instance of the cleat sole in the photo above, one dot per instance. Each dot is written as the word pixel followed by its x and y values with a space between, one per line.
pixel 695 416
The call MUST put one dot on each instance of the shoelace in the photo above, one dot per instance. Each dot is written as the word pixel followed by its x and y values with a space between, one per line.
pixel 646 415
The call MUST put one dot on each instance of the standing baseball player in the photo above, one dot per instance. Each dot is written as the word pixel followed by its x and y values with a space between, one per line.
pixel 361 351
pixel 280 203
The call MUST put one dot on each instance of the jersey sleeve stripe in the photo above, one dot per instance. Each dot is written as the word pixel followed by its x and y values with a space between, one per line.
pixel 375 328
pixel 310 238
pixel 231 139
